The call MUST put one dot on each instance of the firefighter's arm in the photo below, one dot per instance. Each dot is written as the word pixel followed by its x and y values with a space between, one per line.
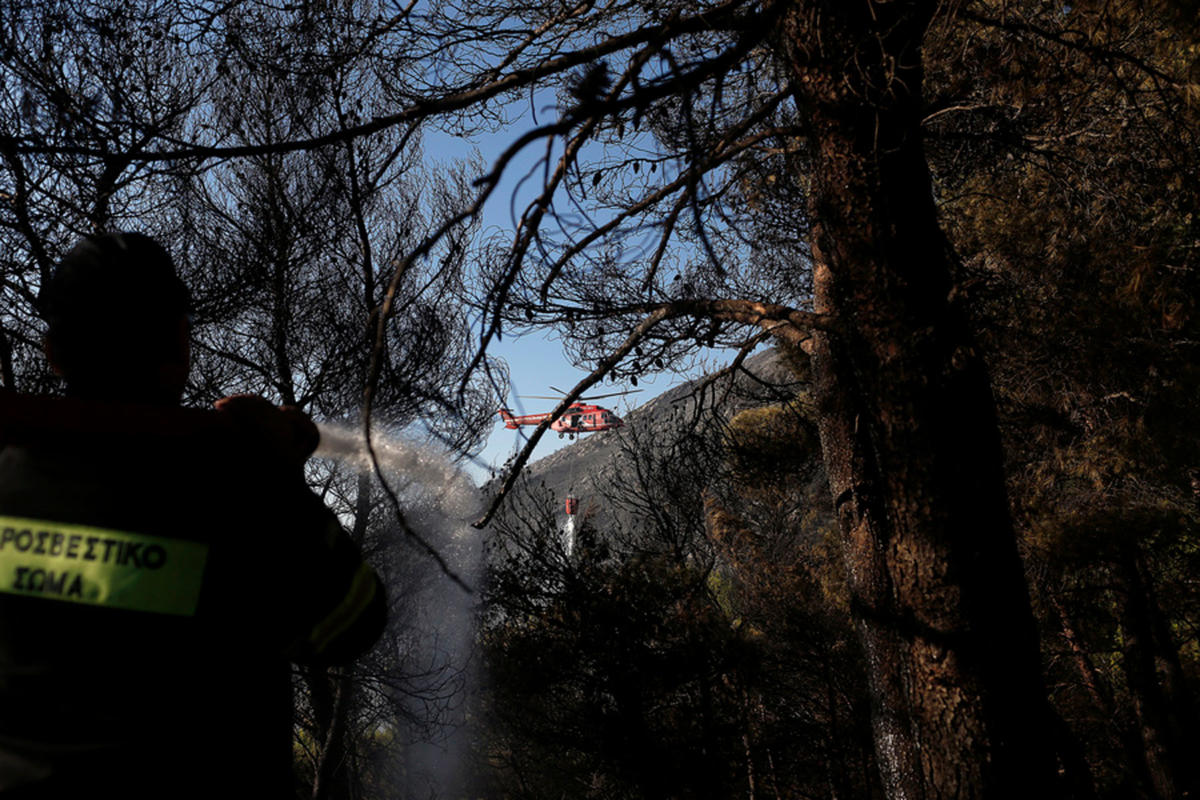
pixel 284 432
pixel 333 604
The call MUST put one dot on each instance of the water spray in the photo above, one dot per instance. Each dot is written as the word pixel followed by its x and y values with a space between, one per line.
pixel 438 501
pixel 418 467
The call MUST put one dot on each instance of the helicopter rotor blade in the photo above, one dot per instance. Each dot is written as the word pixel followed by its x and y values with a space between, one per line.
pixel 610 394
pixel 582 399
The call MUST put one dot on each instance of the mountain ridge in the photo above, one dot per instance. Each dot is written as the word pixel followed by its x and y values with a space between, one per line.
pixel 586 468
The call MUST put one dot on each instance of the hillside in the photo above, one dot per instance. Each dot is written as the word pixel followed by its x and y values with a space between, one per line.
pixel 586 469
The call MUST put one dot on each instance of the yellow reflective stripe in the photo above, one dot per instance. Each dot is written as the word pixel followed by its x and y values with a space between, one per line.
pixel 100 566
pixel 358 597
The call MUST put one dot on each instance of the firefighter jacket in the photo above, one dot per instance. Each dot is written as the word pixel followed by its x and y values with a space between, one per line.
pixel 153 595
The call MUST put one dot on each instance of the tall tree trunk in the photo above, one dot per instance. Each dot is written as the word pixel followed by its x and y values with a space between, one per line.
pixel 1089 676
pixel 328 693
pixel 1181 702
pixel 908 429
pixel 8 378
pixel 1161 724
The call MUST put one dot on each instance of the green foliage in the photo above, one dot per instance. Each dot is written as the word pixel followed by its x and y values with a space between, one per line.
pixel 770 440
pixel 623 685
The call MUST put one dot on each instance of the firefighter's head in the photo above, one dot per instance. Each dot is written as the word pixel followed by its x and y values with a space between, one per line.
pixel 118 320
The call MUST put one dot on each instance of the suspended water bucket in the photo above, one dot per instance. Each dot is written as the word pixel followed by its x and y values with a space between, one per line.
pixel 572 505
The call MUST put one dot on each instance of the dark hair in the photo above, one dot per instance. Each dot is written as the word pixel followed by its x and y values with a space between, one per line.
pixel 114 302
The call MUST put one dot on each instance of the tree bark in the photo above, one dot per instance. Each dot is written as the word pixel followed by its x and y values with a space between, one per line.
pixel 330 691
pixel 1181 702
pixel 7 376
pixel 908 428
pixel 327 693
pixel 1161 723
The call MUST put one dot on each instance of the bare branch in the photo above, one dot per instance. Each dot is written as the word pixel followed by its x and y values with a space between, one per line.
pixel 597 374
pixel 722 16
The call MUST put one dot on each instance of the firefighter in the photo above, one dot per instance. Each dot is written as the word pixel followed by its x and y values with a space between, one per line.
pixel 157 585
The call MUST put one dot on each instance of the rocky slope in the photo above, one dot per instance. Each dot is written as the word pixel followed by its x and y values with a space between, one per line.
pixel 587 468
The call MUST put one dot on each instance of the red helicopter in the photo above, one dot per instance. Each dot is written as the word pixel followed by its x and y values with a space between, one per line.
pixel 579 417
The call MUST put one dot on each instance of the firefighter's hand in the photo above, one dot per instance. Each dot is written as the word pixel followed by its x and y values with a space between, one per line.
pixel 285 431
